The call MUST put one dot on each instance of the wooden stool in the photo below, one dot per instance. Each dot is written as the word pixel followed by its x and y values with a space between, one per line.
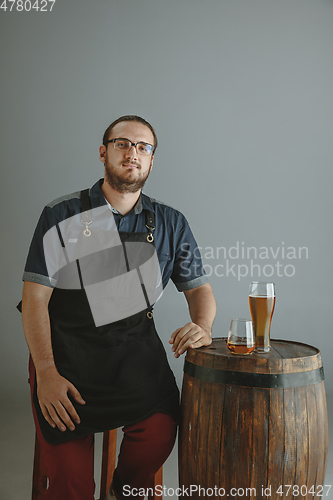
pixel 39 478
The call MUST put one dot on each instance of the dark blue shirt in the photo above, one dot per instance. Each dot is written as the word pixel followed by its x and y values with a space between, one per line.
pixel 176 248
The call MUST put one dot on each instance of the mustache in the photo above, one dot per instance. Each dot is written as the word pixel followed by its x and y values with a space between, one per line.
pixel 131 163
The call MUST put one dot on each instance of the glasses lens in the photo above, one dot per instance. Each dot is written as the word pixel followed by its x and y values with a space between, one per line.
pixel 122 144
pixel 144 149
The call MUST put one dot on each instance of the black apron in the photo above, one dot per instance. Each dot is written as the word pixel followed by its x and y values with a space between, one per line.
pixel 121 368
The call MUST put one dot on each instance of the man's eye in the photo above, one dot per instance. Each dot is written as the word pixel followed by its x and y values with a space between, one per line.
pixel 122 144
pixel 143 147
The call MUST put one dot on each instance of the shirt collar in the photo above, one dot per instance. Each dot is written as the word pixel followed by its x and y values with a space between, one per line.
pixel 98 200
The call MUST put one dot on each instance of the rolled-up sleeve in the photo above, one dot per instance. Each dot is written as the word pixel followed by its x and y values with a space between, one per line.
pixel 188 271
pixel 36 269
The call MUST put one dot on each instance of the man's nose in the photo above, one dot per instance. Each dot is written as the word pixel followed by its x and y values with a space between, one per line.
pixel 132 152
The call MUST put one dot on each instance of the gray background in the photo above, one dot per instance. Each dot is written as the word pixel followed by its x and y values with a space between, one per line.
pixel 240 95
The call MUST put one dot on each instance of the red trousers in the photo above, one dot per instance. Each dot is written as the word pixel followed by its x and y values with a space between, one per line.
pixel 70 466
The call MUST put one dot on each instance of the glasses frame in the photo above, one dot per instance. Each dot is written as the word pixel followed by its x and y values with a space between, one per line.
pixel 131 145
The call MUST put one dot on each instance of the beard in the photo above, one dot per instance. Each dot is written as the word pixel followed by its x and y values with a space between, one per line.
pixel 121 181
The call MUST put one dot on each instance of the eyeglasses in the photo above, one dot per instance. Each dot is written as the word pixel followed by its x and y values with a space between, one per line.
pixel 142 148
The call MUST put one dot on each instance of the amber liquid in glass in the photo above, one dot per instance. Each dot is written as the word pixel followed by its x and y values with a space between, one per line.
pixel 240 348
pixel 262 309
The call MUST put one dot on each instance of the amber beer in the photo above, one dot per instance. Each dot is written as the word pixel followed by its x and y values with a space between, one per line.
pixel 262 308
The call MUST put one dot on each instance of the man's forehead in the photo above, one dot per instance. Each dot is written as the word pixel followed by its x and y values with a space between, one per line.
pixel 132 130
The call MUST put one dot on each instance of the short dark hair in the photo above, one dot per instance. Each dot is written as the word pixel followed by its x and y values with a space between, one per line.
pixel 129 118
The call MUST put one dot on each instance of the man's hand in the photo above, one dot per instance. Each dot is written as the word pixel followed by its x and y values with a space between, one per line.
pixel 191 335
pixel 52 392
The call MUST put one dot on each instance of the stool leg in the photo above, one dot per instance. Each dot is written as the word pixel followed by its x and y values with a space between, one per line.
pixel 108 460
pixel 39 477
pixel 157 480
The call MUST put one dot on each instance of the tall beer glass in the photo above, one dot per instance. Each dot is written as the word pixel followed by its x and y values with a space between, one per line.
pixel 262 303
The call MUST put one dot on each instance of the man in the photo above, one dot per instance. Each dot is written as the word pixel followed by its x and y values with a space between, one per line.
pixel 97 363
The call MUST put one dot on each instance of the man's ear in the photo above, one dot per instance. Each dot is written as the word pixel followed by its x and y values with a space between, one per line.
pixel 102 153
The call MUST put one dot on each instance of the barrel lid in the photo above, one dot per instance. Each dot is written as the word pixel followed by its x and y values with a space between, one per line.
pixel 285 357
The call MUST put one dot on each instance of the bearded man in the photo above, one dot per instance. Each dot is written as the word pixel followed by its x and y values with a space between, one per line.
pixel 97 263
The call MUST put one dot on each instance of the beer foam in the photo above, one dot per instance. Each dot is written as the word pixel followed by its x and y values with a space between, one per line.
pixel 262 296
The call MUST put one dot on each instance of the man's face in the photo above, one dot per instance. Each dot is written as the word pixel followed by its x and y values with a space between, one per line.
pixel 127 171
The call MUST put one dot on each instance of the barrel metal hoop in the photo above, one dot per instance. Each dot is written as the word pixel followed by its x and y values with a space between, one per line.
pixel 246 379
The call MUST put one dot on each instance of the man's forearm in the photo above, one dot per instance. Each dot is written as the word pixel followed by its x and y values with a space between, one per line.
pixel 36 324
pixel 202 306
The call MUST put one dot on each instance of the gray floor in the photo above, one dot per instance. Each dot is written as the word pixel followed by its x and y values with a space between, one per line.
pixel 17 442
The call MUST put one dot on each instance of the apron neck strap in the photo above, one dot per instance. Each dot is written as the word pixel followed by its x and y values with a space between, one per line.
pixel 150 225
pixel 150 220
pixel 85 200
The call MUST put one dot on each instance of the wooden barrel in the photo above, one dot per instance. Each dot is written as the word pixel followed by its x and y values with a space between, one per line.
pixel 252 425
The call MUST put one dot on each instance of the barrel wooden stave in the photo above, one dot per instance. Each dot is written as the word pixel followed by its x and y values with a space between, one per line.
pixel 313 438
pixel 322 428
